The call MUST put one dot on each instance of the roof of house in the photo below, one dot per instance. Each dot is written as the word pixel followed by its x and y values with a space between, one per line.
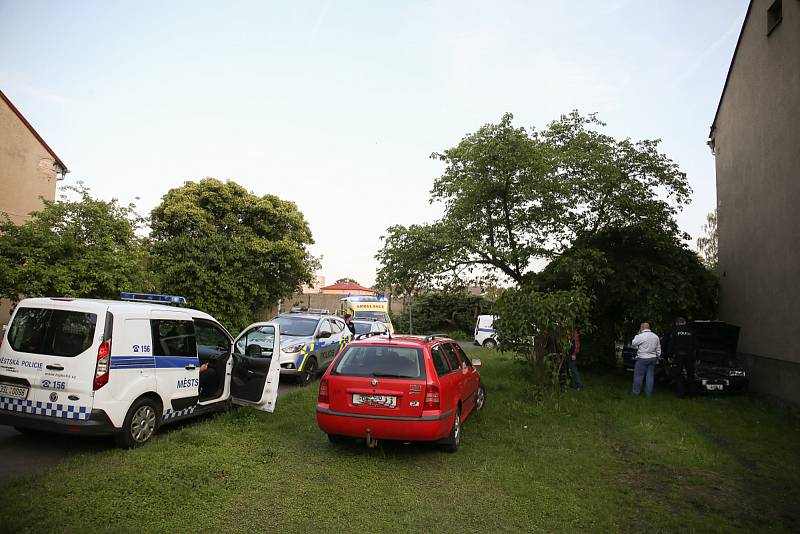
pixel 730 67
pixel 346 286
pixel 34 132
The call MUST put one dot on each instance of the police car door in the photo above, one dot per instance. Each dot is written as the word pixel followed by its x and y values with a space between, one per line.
pixel 174 350
pixel 329 346
pixel 256 373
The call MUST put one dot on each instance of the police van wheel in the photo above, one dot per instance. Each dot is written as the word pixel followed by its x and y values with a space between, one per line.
pixel 24 430
pixel 490 344
pixel 307 374
pixel 140 424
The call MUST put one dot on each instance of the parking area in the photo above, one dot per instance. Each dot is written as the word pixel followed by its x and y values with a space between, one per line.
pixel 30 454
pixel 594 460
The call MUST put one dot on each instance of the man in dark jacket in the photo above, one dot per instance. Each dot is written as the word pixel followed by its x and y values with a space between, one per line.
pixel 681 354
pixel 348 320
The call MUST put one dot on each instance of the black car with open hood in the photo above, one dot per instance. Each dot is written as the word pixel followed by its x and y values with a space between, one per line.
pixel 717 367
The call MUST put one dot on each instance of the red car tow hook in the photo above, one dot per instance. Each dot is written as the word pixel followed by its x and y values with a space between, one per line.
pixel 371 443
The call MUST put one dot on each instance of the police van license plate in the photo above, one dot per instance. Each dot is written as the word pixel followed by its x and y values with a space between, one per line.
pixel 15 392
pixel 387 401
pixel 711 387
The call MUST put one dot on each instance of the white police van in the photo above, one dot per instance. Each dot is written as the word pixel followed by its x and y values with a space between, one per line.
pixel 485 333
pixel 124 368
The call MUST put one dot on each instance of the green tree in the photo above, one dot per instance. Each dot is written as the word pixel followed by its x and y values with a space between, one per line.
pixel 708 244
pixel 229 252
pixel 415 258
pixel 345 280
pixel 76 246
pixel 635 273
pixel 513 195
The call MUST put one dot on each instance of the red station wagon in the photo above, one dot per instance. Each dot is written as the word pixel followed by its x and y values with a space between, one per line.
pixel 402 388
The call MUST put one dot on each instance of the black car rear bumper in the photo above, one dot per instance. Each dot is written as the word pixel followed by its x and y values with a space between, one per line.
pixel 732 384
pixel 98 423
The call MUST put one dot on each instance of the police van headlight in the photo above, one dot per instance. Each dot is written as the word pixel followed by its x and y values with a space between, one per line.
pixel 289 365
pixel 291 349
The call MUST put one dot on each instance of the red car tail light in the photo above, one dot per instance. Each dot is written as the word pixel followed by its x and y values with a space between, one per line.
pixel 102 368
pixel 432 398
pixel 323 390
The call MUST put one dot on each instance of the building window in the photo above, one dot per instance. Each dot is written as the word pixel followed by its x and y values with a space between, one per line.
pixel 774 15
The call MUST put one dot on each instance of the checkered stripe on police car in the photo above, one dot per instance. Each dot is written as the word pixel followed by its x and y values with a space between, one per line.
pixel 174 414
pixel 68 411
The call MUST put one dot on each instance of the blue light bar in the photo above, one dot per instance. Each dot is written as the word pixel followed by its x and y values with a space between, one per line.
pixel 364 298
pixel 152 298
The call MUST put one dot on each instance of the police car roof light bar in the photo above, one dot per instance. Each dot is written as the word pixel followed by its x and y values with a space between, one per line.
pixel 316 311
pixel 151 298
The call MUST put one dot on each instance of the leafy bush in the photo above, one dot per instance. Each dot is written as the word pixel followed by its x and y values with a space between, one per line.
pixel 76 246
pixel 536 326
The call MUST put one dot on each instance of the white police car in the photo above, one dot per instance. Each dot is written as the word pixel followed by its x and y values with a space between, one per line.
pixel 369 327
pixel 485 333
pixel 311 338
pixel 124 368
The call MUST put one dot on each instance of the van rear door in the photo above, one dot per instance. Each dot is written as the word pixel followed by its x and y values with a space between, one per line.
pixel 47 364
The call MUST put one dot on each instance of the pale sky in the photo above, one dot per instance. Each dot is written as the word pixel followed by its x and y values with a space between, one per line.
pixel 337 105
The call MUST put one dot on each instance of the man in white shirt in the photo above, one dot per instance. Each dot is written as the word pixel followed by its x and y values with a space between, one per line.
pixel 648 349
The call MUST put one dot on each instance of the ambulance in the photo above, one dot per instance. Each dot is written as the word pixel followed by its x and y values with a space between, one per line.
pixel 369 308
pixel 126 367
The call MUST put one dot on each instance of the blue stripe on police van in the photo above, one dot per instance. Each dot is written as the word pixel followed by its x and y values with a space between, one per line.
pixel 66 411
pixel 492 330
pixel 152 362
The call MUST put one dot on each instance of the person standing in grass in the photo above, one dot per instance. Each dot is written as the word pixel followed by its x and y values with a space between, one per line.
pixel 681 352
pixel 648 350
pixel 572 356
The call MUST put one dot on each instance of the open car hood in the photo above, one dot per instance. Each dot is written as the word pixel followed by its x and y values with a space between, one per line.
pixel 715 339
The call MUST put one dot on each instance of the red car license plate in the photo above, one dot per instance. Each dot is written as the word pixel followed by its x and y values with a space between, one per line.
pixel 387 401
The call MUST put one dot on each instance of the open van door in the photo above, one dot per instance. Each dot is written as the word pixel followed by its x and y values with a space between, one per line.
pixel 256 366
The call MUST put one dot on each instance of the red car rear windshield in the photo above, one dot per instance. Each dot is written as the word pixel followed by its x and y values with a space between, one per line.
pixel 381 362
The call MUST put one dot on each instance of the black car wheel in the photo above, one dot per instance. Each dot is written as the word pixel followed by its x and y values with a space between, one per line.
pixel 490 344
pixel 307 374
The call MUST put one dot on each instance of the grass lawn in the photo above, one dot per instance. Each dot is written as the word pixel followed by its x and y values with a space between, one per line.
pixel 595 460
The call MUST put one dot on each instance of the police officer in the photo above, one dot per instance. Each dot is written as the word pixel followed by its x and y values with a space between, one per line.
pixel 681 354
pixel 348 320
